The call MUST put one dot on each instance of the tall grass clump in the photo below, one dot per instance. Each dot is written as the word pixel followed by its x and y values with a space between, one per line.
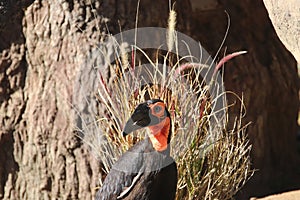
pixel 213 162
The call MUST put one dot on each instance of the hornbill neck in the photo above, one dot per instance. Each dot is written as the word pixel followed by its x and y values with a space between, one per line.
pixel 160 135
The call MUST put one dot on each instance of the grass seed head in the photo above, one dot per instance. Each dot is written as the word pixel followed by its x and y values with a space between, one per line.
pixel 213 162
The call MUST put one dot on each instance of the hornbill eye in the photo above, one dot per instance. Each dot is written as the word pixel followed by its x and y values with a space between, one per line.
pixel 157 109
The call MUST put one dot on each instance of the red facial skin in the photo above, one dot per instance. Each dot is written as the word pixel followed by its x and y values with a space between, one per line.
pixel 159 132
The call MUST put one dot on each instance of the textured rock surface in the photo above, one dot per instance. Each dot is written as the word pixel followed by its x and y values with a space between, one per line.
pixel 267 78
pixel 49 160
pixel 45 66
pixel 285 16
pixel 293 195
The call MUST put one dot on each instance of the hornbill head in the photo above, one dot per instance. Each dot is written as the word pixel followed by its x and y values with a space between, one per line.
pixel 154 115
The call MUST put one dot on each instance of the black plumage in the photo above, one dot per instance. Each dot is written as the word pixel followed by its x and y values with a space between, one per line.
pixel 144 172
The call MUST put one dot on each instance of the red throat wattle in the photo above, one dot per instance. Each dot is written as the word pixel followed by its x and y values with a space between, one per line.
pixel 159 134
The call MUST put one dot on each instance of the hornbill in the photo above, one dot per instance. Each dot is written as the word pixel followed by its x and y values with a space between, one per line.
pixel 146 171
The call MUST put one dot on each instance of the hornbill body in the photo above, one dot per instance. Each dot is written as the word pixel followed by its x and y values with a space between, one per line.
pixel 146 171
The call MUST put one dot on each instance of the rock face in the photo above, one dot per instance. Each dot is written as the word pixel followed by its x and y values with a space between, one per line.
pixel 45 47
pixel 293 195
pixel 46 54
pixel 42 155
pixel 285 17
pixel 261 76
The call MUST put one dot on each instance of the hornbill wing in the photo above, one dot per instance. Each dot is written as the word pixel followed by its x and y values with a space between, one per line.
pixel 119 185
pixel 123 176
pixel 134 180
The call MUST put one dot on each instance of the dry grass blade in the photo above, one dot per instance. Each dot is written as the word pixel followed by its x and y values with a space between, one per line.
pixel 213 162
pixel 208 168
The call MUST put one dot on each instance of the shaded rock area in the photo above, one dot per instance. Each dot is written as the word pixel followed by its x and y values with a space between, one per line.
pixel 262 76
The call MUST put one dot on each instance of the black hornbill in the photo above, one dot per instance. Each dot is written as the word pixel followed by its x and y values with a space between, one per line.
pixel 146 171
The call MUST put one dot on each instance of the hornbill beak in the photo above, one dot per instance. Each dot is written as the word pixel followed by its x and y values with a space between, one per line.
pixel 139 119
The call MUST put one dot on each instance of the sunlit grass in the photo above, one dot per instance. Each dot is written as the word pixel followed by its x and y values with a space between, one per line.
pixel 213 161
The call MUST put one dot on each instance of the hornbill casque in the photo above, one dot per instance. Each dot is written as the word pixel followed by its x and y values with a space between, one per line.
pixel 146 171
